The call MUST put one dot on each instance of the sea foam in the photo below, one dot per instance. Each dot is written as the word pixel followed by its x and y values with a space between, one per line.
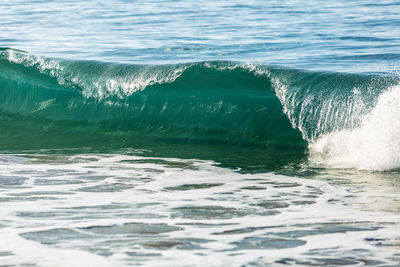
pixel 373 146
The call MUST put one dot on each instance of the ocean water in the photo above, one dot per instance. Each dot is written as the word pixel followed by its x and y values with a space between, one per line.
pixel 199 133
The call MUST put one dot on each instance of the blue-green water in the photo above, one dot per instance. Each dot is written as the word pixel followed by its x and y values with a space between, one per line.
pixel 199 133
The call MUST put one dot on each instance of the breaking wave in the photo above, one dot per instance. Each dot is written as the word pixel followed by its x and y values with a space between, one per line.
pixel 346 119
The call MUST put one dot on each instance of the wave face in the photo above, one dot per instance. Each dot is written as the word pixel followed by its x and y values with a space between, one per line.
pixel 69 101
pixel 52 103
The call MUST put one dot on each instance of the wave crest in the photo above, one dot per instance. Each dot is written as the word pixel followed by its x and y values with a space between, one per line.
pixel 95 79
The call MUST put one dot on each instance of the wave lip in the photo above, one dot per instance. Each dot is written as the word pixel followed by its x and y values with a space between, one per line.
pixel 95 79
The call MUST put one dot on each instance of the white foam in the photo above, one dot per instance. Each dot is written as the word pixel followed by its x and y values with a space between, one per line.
pixel 373 146
pixel 44 65
pixel 53 197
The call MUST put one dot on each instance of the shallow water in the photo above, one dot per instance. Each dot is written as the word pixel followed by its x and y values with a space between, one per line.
pixel 128 209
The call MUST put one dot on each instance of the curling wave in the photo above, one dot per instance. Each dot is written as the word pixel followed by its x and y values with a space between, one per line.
pixel 47 102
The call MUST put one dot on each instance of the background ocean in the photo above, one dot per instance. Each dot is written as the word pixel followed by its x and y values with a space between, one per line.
pixel 199 133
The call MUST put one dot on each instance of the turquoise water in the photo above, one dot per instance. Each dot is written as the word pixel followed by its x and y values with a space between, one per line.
pixel 199 133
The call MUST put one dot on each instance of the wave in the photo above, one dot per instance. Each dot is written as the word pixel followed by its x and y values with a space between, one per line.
pixel 48 102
